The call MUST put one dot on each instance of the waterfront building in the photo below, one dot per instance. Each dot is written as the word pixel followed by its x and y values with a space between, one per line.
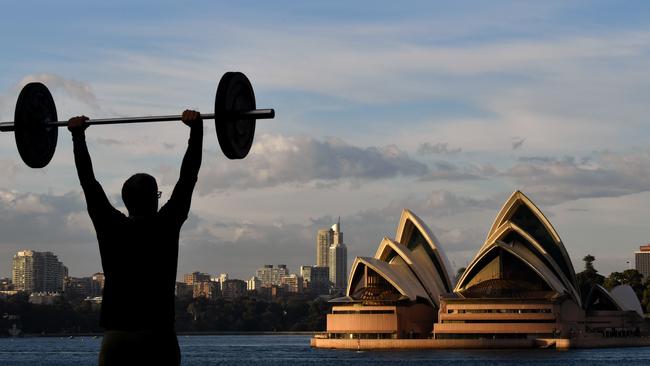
pixel 78 287
pixel 253 284
pixel 38 272
pixel 520 286
pixel 233 288
pixel 292 283
pixel 338 258
pixel 44 298
pixel 394 294
pixel 642 261
pixel 324 239
pixel 6 284
pixel 97 284
pixel 208 289
pixel 223 277
pixel 183 290
pixel 195 277
pixel 271 292
pixel 271 275
pixel 316 279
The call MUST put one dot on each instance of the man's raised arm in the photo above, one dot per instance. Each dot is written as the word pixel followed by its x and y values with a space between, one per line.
pixel 181 198
pixel 96 200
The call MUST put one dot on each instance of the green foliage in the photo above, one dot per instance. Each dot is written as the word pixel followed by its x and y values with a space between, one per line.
pixel 294 313
pixel 589 277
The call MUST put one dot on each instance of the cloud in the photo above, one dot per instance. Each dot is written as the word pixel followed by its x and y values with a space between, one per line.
pixel 48 222
pixel 445 170
pixel 602 174
pixel 76 90
pixel 109 141
pixel 439 148
pixel 217 245
pixel 517 142
pixel 276 160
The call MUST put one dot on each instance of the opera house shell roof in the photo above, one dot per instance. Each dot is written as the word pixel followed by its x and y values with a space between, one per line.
pixel 413 267
pixel 522 257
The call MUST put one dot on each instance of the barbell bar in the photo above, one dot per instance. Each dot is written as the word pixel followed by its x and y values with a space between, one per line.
pixel 35 123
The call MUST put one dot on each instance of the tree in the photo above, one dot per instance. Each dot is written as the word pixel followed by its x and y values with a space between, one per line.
pixel 589 277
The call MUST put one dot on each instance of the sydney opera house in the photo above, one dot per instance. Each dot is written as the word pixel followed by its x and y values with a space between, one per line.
pixel 519 290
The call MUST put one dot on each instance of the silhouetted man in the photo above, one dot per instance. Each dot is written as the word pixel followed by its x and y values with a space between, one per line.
pixel 139 254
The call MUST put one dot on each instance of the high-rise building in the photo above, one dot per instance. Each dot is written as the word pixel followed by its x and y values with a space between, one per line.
pixel 323 243
pixel 270 275
pixel 338 258
pixel 642 261
pixel 38 272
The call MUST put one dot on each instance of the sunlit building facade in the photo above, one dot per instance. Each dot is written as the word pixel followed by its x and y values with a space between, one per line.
pixel 642 261
pixel 521 285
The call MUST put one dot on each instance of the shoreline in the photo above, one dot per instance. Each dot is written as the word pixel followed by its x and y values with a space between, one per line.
pixel 540 343
pixel 178 334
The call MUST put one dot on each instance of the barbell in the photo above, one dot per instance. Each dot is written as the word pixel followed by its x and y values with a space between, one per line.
pixel 35 123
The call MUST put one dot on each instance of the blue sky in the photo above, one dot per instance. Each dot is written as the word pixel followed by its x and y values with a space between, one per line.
pixel 441 107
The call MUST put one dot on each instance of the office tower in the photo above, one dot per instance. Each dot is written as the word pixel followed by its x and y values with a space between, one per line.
pixel 642 261
pixel 338 258
pixel 270 275
pixel 323 243
pixel 38 272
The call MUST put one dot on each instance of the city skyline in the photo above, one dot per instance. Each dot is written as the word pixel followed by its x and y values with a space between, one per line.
pixel 440 107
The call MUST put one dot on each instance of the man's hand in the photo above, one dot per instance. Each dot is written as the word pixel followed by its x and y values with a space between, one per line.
pixel 191 118
pixel 77 124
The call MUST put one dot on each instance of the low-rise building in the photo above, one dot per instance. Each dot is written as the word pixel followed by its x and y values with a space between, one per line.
pixel 195 277
pixel 44 298
pixel 207 289
pixel 292 283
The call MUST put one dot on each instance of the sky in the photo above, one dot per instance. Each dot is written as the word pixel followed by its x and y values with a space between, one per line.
pixel 444 108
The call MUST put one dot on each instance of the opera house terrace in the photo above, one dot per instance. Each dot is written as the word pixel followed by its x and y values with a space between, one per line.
pixel 519 291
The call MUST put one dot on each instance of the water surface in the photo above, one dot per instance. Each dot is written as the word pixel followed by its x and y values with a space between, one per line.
pixel 295 351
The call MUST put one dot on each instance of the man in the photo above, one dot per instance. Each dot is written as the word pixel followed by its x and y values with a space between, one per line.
pixel 139 254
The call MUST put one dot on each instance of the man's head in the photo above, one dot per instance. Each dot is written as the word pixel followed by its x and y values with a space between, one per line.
pixel 140 195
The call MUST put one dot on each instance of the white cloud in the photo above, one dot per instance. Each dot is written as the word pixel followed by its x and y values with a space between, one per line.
pixel 602 174
pixel 277 159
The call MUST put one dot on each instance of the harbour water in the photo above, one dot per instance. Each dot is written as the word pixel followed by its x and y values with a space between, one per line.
pixel 244 350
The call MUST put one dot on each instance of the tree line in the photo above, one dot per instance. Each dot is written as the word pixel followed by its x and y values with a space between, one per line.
pixel 248 313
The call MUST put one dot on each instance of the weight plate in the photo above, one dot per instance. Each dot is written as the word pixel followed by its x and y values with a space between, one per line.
pixel 234 93
pixel 36 142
